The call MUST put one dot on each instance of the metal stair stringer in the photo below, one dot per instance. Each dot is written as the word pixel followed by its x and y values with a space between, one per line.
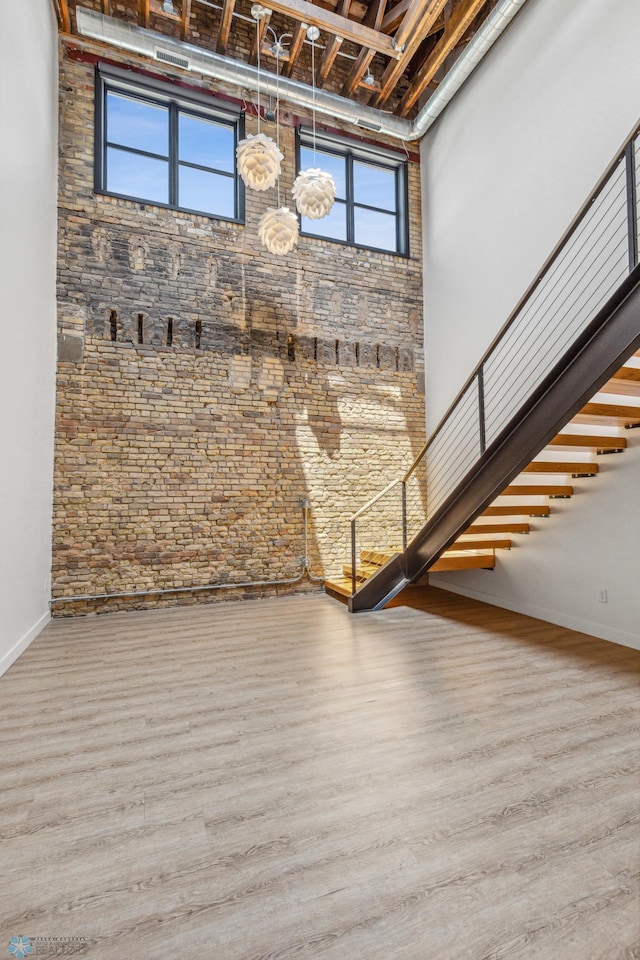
pixel 606 343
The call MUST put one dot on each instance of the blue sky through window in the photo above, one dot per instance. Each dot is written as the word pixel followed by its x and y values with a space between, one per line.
pixel 138 125
pixel 206 143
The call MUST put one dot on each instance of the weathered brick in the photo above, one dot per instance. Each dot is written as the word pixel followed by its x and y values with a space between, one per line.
pixel 179 465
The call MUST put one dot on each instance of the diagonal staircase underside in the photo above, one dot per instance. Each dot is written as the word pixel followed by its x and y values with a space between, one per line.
pixel 615 409
pixel 578 329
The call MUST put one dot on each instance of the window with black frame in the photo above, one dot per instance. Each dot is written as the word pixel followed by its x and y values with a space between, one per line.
pixel 154 146
pixel 370 209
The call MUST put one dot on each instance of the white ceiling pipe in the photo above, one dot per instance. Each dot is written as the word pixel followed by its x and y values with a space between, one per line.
pixel 147 43
pixel 492 28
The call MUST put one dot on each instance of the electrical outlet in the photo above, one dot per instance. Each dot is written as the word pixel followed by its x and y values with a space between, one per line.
pixel 602 596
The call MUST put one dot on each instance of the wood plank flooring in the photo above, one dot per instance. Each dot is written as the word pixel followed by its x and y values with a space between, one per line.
pixel 278 780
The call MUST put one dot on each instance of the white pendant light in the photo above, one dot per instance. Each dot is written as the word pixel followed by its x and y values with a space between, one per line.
pixel 259 161
pixel 314 190
pixel 278 230
pixel 258 156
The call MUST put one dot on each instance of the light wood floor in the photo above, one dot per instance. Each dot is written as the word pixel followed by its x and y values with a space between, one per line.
pixel 278 780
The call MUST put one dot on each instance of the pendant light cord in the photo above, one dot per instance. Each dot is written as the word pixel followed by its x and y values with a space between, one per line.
pixel 313 102
pixel 258 49
pixel 278 113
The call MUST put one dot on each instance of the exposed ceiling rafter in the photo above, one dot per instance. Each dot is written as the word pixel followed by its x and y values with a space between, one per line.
pixel 455 29
pixel 335 25
pixel 143 13
pixel 186 15
pixel 225 25
pixel 62 13
pixel 374 19
pixel 429 11
pixel 299 34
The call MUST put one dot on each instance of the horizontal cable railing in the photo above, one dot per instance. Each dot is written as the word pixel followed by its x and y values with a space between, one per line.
pixel 598 251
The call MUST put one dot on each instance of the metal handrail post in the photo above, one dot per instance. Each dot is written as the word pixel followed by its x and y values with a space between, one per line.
pixel 481 416
pixel 353 556
pixel 632 204
pixel 404 515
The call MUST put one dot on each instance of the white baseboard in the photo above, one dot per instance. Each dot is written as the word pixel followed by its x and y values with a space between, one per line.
pixel 598 630
pixel 12 655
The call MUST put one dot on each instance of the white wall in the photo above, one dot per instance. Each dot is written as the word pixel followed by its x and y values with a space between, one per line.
pixel 505 169
pixel 28 189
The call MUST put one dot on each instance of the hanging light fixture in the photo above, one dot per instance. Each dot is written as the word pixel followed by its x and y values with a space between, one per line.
pixel 258 157
pixel 314 190
pixel 278 229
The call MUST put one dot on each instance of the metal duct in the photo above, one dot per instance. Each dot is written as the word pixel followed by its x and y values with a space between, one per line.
pixel 493 27
pixel 138 40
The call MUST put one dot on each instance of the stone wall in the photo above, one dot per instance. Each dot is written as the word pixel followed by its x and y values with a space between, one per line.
pixel 181 460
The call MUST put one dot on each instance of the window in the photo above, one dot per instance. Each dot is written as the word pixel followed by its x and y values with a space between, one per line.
pixel 154 145
pixel 371 194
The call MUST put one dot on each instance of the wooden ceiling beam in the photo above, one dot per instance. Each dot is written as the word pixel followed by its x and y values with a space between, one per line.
pixel 331 50
pixel 106 7
pixel 328 57
pixel 375 14
pixel 374 18
pixel 459 22
pixel 394 71
pixel 392 21
pixel 62 13
pixel 143 13
pixel 357 72
pixel 186 15
pixel 335 25
pixel 225 25
pixel 394 17
pixel 299 34
pixel 419 14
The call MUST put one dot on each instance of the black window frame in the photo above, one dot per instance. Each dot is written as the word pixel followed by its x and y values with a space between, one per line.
pixel 188 103
pixel 351 152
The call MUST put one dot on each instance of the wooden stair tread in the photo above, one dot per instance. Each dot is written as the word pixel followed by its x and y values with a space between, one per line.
pixel 477 528
pixel 379 557
pixel 621 387
pixel 339 585
pixel 574 467
pixel 628 373
pixel 618 412
pixel 491 544
pixel 363 570
pixel 518 510
pixel 471 561
pixel 589 441
pixel 537 489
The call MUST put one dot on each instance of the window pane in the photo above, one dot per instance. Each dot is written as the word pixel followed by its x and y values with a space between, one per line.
pixel 374 186
pixel 141 126
pixel 206 143
pixel 336 166
pixel 333 226
pixel 136 176
pixel 207 192
pixel 373 229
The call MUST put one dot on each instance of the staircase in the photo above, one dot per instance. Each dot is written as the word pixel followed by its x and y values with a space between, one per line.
pixel 556 389
pixel 596 431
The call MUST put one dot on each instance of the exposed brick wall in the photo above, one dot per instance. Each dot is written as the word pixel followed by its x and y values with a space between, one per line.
pixel 285 378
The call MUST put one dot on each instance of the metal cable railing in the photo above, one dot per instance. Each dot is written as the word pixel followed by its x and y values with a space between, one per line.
pixel 597 252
